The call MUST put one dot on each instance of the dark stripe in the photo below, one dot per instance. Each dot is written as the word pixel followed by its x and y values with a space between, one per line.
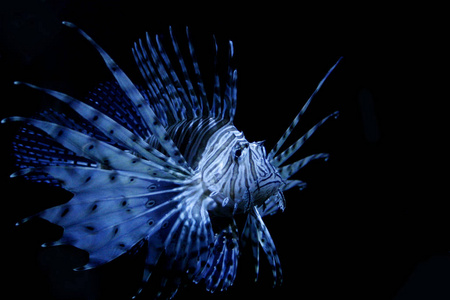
pixel 252 165
pixel 234 177
pixel 218 151
pixel 191 137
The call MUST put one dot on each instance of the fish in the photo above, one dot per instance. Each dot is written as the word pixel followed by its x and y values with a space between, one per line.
pixel 162 168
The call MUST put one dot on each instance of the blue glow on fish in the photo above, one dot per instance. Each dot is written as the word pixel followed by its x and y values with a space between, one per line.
pixel 161 167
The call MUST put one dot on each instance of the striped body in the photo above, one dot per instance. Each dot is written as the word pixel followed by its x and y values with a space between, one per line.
pixel 239 170
pixel 161 167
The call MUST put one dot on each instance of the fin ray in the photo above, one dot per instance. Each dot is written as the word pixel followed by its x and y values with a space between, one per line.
pixel 294 123
pixel 98 151
pixel 140 103
pixel 107 125
pixel 281 158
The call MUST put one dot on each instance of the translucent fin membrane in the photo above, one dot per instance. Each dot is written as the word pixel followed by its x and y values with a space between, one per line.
pixel 107 125
pixel 184 94
pixel 140 103
pixel 118 153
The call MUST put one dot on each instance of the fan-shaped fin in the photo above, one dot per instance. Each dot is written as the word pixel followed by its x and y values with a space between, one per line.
pixel 111 210
pixel 188 99
pixel 108 126
pixel 158 81
pixel 103 153
pixel 108 98
pixel 140 103
pixel 196 104
pixel 186 242
pixel 179 91
pixel 33 148
pixel 221 266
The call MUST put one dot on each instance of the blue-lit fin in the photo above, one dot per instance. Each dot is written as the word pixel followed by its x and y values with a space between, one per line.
pixel 221 266
pixel 182 97
pixel 140 103
pixel 104 154
pixel 186 244
pixel 111 100
pixel 294 183
pixel 166 91
pixel 230 100
pixel 34 149
pixel 216 109
pixel 294 123
pixel 267 244
pixel 203 101
pixel 281 158
pixel 289 170
pixel 170 90
pixel 250 234
pixel 110 128
pixel 190 88
pixel 155 87
pixel 111 210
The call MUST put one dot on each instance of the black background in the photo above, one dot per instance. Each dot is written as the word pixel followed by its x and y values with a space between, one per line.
pixel 373 222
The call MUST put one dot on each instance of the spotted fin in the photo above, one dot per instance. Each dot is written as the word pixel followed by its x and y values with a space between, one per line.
pixel 111 210
pixel 257 233
pixel 186 243
pixel 167 88
pixel 104 123
pixel 250 235
pixel 34 149
pixel 103 153
pixel 221 266
pixel 138 100
pixel 183 96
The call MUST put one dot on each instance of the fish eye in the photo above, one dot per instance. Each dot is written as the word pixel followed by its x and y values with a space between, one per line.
pixel 238 153
pixel 239 148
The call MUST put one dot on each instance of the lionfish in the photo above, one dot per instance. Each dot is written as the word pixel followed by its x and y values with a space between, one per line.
pixel 161 166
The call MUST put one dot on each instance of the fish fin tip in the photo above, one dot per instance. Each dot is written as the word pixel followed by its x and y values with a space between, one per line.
pixel 69 24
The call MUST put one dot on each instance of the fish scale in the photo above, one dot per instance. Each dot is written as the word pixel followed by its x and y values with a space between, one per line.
pixel 161 168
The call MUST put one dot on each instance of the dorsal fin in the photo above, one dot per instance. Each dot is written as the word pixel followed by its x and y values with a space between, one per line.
pixel 140 103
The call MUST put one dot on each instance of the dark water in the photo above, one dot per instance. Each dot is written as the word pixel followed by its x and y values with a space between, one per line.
pixel 372 223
